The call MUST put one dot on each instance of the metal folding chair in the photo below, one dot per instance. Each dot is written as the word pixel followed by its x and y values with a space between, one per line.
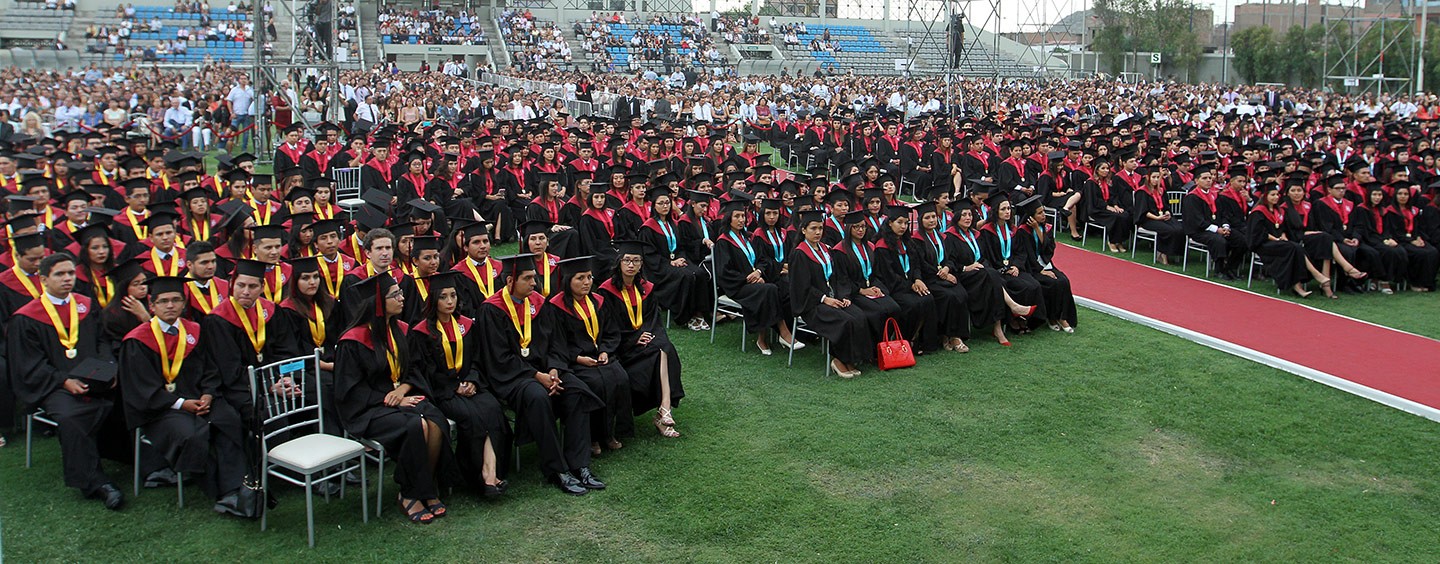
pixel 38 416
pixel 300 459
pixel 141 439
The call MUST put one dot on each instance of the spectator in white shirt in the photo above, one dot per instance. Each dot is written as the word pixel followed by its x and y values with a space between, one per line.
pixel 177 120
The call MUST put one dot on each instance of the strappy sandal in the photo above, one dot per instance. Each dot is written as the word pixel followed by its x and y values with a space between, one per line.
pixel 667 431
pixel 1356 274
pixel 437 509
pixel 663 416
pixel 423 517
pixel 962 348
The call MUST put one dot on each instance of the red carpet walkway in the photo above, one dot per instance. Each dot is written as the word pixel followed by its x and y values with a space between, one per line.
pixel 1392 367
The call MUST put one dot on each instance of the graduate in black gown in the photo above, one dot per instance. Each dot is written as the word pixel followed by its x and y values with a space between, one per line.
pixel 1403 225
pixel 938 274
pixel 425 257
pixel 1205 225
pixel 522 363
pixel 645 348
pixel 597 230
pixel 813 297
pixel 1106 201
pixel 312 318
pixel 379 401
pixel 1038 238
pixel 1284 259
pixel 443 362
pixel 47 339
pixel 244 330
pixel 740 275
pixel 19 285
pixel 177 404
pixel 1152 211
pixel 563 238
pixel 480 272
pixel 1368 224
pixel 590 342
pixel 865 278
pixel 682 286
pixel 998 243
pixel 988 300
pixel 127 310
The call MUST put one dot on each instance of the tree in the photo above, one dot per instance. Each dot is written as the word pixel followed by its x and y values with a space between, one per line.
pixel 1148 26
pixel 1253 48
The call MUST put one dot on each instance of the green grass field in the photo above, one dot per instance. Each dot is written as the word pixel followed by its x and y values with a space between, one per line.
pixel 1066 447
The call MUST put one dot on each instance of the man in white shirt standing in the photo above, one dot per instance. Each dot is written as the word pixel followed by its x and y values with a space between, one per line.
pixel 241 100
pixel 67 115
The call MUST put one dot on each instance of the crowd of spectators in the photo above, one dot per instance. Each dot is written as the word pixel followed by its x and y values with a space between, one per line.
pixel 790 32
pixel 434 27
pixel 742 30
pixel 175 40
pixel 692 46
pixel 535 45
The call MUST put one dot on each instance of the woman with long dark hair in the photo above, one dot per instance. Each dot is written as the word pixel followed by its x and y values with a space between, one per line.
pixel 740 275
pixel 1152 212
pixel 97 252
pixel 1367 222
pixel 1285 260
pixel 1105 203
pixel 998 244
pixel 813 296
pixel 887 267
pixel 682 286
pixel 597 229
pixel 590 341
pixel 1039 245
pixel 443 350
pixel 645 350
pixel 1402 223
pixel 380 399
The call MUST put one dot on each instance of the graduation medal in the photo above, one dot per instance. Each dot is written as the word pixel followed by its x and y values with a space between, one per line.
pixel 169 367
pixel 393 360
pixel 521 319
pixel 69 334
pixel 257 338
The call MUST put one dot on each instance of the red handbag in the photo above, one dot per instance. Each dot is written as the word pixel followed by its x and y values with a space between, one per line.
pixel 893 352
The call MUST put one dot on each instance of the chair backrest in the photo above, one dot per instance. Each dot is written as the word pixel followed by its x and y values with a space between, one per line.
pixel 347 183
pixel 287 393
pixel 1173 198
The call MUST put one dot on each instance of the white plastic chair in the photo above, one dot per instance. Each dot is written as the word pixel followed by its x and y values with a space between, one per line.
pixel 308 455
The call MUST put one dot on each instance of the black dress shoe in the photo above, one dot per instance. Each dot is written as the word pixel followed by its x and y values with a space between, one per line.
pixel 161 478
pixel 568 484
pixel 588 479
pixel 229 504
pixel 111 496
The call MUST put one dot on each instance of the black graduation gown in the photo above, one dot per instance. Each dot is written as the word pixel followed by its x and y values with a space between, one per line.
pixel 512 377
pixel 950 298
pixel 564 243
pixel 1284 260
pixel 985 287
pixel 642 363
pixel 595 237
pixel 1198 217
pixel 1421 262
pixel 609 380
pixel 38 370
pixel 228 353
pixel 205 447
pixel 1037 259
pixel 684 291
pixel 362 380
pixel 628 221
pixel 1169 235
pixel 478 417
pixel 846 328
pixel 469 290
pixel 1317 243
pixel 1118 226
pixel 1390 264
pixel 1023 288
pixel 116 322
pixel 1336 224
pixel 916 314
pixel 761 304
pixel 297 325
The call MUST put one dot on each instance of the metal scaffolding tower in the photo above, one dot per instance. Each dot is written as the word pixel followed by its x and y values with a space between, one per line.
pixel 1365 41
pixel 310 58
